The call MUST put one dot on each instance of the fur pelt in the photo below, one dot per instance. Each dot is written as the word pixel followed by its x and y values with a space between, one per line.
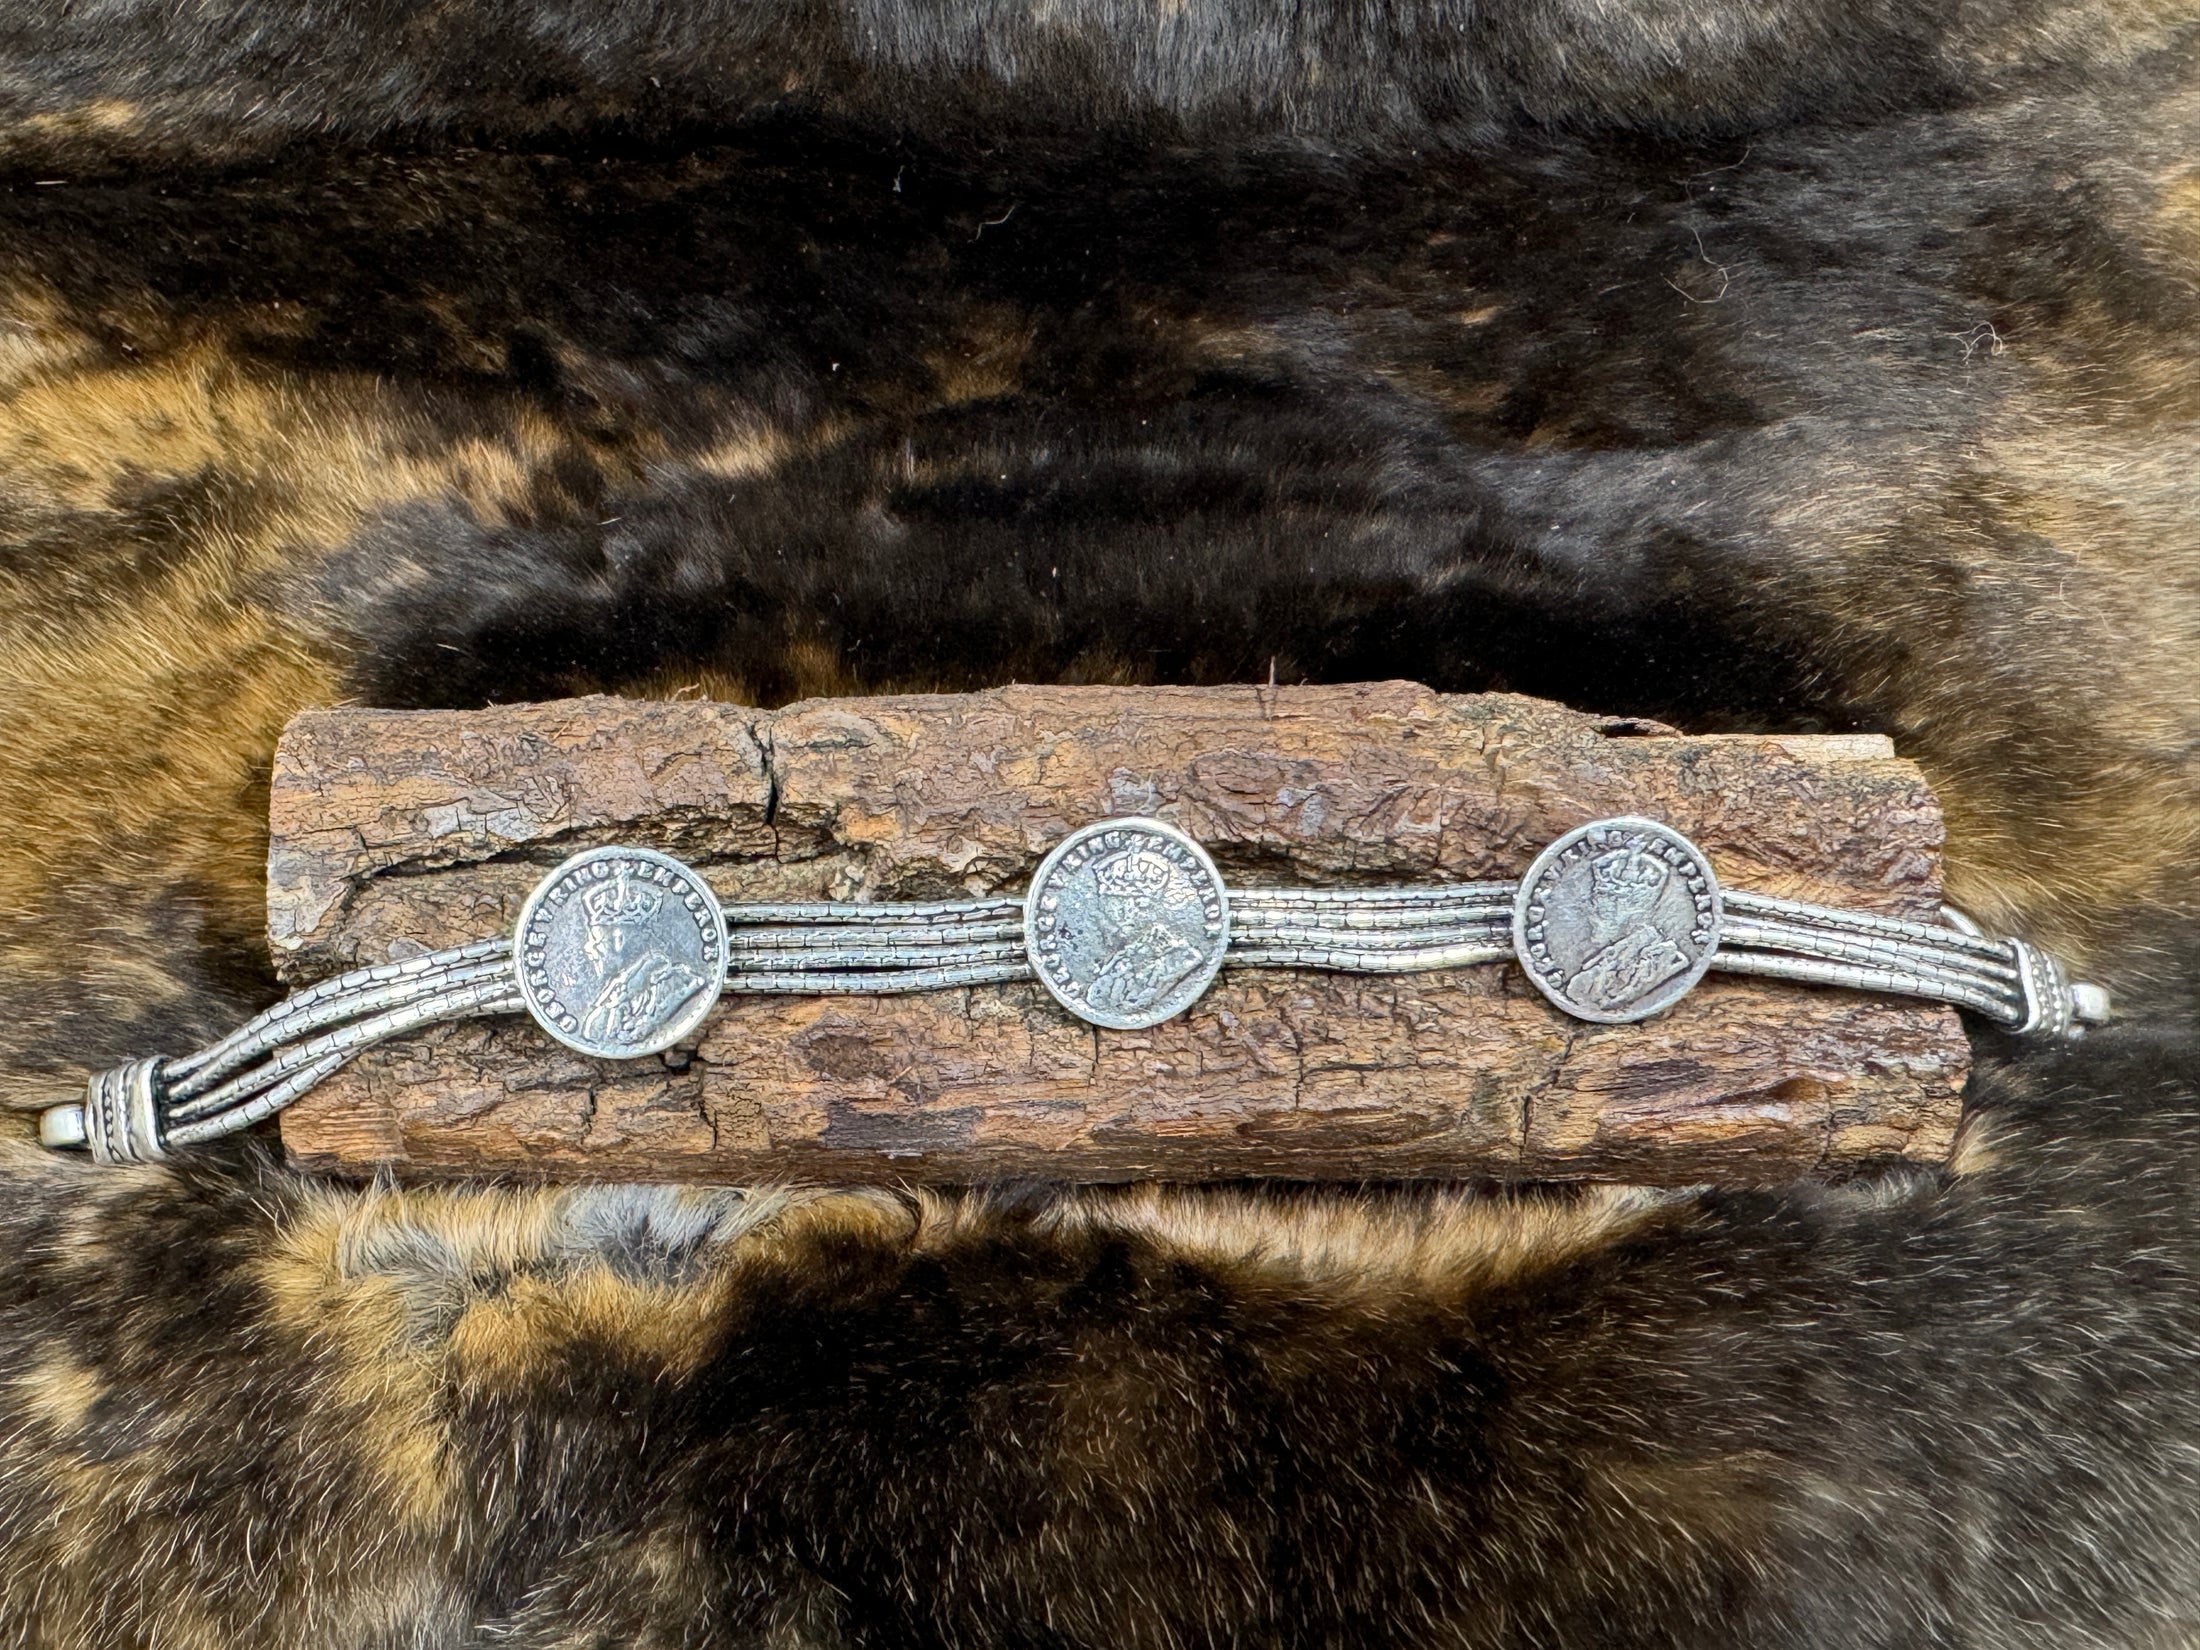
pixel 1798 365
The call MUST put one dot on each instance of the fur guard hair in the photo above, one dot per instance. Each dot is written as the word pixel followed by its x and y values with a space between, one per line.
pixel 1810 364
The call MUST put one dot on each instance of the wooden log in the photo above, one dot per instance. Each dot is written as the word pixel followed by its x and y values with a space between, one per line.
pixel 401 831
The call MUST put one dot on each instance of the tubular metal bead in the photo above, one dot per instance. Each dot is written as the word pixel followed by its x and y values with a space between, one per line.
pixel 1811 972
pixel 375 974
pixel 785 937
pixel 329 1011
pixel 358 978
pixel 1916 982
pixel 997 908
pixel 213 1127
pixel 466 1003
pixel 1412 939
pixel 1348 921
pixel 1375 899
pixel 356 1036
pixel 885 984
pixel 1869 951
pixel 1962 958
pixel 876 957
pixel 273 1100
pixel 1744 903
pixel 336 1009
pixel 1372 962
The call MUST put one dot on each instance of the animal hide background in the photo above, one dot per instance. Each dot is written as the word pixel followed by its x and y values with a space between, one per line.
pixel 1803 365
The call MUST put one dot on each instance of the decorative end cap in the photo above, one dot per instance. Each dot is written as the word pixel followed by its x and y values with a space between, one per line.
pixel 61 1128
pixel 121 1113
pixel 2050 1001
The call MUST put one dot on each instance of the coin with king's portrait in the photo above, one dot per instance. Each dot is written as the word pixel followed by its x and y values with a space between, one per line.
pixel 1617 920
pixel 1127 922
pixel 620 952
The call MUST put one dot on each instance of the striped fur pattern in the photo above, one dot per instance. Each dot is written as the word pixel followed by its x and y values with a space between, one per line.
pixel 1802 365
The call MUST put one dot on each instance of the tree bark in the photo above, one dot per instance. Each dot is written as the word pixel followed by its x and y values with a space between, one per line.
pixel 396 832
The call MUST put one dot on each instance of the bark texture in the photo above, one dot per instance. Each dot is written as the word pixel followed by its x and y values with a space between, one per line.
pixel 398 831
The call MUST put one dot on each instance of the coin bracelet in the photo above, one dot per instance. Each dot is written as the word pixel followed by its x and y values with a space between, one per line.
pixel 620 953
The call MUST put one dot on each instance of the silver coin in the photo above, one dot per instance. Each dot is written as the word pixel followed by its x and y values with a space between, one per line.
pixel 1127 922
pixel 620 952
pixel 1617 920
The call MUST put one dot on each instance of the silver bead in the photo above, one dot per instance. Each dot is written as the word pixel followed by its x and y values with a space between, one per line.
pixel 61 1128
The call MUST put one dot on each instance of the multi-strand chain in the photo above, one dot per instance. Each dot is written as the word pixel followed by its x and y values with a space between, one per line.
pixel 1132 889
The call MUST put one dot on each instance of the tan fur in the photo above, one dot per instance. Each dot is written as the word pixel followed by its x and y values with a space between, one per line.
pixel 1369 1249
pixel 1806 367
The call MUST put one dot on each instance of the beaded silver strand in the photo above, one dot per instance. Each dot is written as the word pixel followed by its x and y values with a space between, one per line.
pixel 620 952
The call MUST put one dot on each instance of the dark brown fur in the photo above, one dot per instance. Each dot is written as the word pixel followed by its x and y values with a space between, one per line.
pixel 1807 366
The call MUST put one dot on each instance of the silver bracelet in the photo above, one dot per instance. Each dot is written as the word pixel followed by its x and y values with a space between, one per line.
pixel 620 952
